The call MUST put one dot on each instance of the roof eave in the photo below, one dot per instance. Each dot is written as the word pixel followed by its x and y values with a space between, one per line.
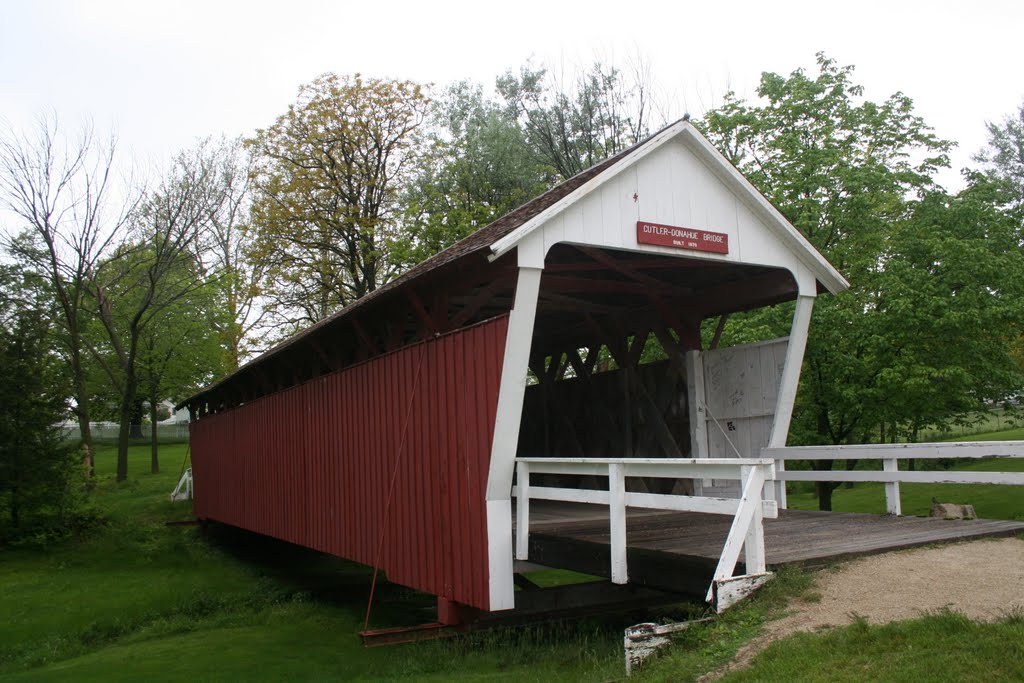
pixel 823 271
pixel 509 241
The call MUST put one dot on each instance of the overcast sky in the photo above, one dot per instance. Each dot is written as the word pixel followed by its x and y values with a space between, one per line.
pixel 166 73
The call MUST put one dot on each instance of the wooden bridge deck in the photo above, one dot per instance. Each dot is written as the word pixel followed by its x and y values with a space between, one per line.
pixel 678 551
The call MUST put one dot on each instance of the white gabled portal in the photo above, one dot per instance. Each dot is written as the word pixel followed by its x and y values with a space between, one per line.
pixel 607 281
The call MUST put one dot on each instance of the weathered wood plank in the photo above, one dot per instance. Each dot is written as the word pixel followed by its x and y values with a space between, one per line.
pixel 670 542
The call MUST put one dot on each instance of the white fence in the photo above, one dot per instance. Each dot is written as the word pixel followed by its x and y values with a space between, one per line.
pixel 746 533
pixel 890 455
pixel 106 431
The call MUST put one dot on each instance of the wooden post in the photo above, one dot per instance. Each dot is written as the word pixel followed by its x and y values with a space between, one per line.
pixel 698 413
pixel 892 488
pixel 617 522
pixel 788 385
pixel 741 524
pixel 753 545
pixel 523 511
pixel 500 551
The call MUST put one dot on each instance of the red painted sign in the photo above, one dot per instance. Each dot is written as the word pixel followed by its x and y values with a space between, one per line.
pixel 681 238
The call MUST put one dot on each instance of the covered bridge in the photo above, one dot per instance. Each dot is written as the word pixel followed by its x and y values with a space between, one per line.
pixel 389 433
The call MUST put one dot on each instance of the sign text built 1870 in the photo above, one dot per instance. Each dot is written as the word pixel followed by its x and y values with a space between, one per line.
pixel 681 238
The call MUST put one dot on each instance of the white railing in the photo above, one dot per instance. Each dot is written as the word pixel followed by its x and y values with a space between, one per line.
pixel 749 510
pixel 890 455
pixel 183 491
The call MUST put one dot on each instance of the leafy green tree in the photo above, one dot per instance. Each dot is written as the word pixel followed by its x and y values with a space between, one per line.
pixel 856 178
pixel 949 310
pixel 1003 158
pixel 181 351
pixel 38 472
pixel 150 273
pixel 328 177
pixel 478 168
pixel 225 251
pixel 1003 163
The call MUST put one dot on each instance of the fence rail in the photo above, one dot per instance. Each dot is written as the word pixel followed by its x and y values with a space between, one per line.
pixel 109 432
pixel 746 533
pixel 890 455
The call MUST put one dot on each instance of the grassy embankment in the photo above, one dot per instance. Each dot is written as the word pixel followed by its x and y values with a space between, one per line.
pixel 945 646
pixel 137 600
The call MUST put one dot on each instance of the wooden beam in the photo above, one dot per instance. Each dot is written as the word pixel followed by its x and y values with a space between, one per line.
pixel 750 293
pixel 578 366
pixel 593 353
pixel 325 358
pixel 665 263
pixel 655 420
pixel 426 320
pixel 636 350
pixel 439 305
pixel 368 343
pixel 574 285
pixel 686 326
pixel 718 331
pixel 564 302
pixel 624 268
pixel 481 299
pixel 395 333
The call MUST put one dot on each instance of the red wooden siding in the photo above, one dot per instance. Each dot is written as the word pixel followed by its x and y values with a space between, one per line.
pixel 313 464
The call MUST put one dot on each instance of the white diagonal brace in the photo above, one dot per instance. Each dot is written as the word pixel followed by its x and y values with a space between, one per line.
pixel 750 502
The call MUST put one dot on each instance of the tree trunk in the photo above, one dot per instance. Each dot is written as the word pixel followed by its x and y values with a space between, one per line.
pixel 13 508
pixel 824 488
pixel 154 462
pixel 82 408
pixel 824 495
pixel 128 404
pixel 136 419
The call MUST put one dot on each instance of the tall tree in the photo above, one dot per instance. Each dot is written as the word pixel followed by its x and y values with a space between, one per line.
pixel 572 126
pixel 37 471
pixel 1003 158
pixel 225 252
pixel 181 350
pixel 328 175
pixel 150 272
pixel 478 168
pixel 843 170
pixel 1002 163
pixel 63 191
pixel 948 311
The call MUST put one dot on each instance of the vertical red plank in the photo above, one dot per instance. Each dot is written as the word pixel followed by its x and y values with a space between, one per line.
pixel 313 464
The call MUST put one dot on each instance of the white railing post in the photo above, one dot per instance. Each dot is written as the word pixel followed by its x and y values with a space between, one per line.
pixel 738 532
pixel 788 383
pixel 522 511
pixel 892 488
pixel 753 545
pixel 617 522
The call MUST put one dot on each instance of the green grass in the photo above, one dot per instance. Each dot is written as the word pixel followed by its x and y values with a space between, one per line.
pixel 708 647
pixel 137 600
pixel 939 647
pixel 989 501
pixel 986 422
pixel 945 646
pixel 1005 435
